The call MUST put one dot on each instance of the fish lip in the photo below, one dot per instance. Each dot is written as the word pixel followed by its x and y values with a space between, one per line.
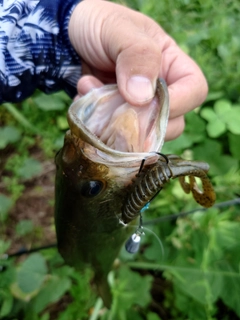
pixel 78 128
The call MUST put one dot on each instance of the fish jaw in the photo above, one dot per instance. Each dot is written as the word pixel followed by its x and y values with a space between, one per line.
pixel 118 134
pixel 104 120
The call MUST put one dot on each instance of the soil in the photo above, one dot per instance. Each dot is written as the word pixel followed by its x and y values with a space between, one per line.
pixel 35 204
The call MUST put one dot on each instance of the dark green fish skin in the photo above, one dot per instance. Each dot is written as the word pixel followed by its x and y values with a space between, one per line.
pixel 88 231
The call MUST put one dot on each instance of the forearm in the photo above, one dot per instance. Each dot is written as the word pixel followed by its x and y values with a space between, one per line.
pixel 35 50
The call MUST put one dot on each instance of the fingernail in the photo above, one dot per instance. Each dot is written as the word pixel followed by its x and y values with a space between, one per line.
pixel 140 88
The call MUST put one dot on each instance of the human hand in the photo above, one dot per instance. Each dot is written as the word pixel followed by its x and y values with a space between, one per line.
pixel 120 45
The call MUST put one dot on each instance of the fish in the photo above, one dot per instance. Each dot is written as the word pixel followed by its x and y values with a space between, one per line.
pixel 108 150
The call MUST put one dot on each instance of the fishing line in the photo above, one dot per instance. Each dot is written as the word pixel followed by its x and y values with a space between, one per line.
pixel 184 214
pixel 228 203
pixel 158 239
pixel 140 231
pixel 27 251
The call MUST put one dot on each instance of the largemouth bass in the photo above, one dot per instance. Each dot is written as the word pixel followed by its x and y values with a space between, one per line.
pixel 103 152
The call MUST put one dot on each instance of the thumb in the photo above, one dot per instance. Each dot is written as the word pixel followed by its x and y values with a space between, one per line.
pixel 137 69
pixel 132 42
pixel 118 39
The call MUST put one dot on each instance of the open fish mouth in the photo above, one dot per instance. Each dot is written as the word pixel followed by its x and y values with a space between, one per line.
pixel 115 131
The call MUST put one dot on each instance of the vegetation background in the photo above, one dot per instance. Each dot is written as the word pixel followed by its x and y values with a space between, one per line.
pixel 196 274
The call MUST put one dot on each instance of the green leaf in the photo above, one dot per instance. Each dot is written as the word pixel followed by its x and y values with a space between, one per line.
pixel 130 288
pixel 222 107
pixel 52 291
pixel 193 121
pixel 31 274
pixel 211 152
pixel 216 125
pixel 29 168
pixel 234 141
pixel 226 234
pixel 229 296
pixel 4 245
pixel 233 120
pixel 213 96
pixel 45 316
pixel 190 307
pixel 49 102
pixel 58 143
pixel 8 135
pixel 152 316
pixel 208 114
pixel 155 250
pixel 134 314
pixel 24 227
pixel 5 205
pixel 216 128
pixel 62 123
pixel 6 305
pixel 177 145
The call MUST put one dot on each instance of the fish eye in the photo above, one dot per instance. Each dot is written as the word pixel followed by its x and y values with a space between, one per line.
pixel 92 188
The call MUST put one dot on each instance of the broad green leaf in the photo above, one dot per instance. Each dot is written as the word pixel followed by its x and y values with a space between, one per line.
pixel 29 168
pixel 24 227
pixel 58 143
pixel 177 145
pixel 5 205
pixel 8 135
pixel 193 121
pixel 134 314
pixel 31 274
pixel 45 316
pixel 130 288
pixel 203 287
pixel 7 303
pixel 49 102
pixel 62 122
pixel 188 306
pixel 83 298
pixel 208 114
pixel 223 51
pixel 216 128
pixel 213 96
pixel 211 152
pixel 234 145
pixel 226 234
pixel 152 316
pixel 155 250
pixel 52 291
pixel 4 245
pixel 233 120
pixel 222 107
pixel 230 294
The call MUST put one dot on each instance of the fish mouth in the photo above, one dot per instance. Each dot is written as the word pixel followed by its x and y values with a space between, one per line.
pixel 115 131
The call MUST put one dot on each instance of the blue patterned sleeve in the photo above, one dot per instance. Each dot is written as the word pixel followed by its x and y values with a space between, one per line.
pixel 35 50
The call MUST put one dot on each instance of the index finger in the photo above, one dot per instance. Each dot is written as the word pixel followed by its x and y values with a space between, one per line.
pixel 186 83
